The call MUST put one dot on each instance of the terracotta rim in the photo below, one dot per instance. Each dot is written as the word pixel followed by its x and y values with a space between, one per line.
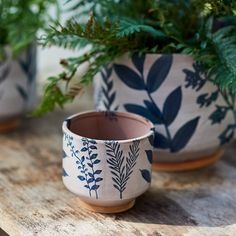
pixel 121 114
pixel 9 125
pixel 188 165
pixel 107 210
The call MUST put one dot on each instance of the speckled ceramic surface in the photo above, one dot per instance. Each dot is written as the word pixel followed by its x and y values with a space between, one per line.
pixel 193 118
pixel 107 157
pixel 17 83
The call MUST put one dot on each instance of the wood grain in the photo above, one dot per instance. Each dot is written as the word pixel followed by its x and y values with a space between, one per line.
pixel 33 200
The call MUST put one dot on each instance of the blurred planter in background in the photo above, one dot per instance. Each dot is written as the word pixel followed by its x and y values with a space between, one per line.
pixel 17 86
pixel 20 22
pixel 193 118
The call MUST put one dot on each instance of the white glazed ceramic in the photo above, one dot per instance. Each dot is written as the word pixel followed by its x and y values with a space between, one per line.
pixel 17 83
pixel 107 159
pixel 193 118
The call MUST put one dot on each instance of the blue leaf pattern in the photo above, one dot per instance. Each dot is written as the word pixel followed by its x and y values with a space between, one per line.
pixel 149 155
pixel 158 72
pixel 155 78
pixel 120 167
pixel 64 173
pixel 64 154
pixel 86 161
pixel 184 134
pixel 107 89
pixel 146 175
pixel 196 79
pixel 172 106
pixel 140 111
pixel 129 77
pixel 138 61
pixel 161 141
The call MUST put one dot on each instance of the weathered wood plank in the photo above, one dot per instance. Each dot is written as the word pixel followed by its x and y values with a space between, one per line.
pixel 33 200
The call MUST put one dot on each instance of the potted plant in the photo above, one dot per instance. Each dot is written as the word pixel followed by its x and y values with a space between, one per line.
pixel 19 22
pixel 170 61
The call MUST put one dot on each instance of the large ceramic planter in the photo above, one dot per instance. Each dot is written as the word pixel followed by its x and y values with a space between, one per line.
pixel 17 86
pixel 193 118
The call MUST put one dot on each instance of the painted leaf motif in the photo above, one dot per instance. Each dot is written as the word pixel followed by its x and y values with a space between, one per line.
pixel 98 179
pixel 146 175
pixel 93 156
pixel 160 141
pixel 141 111
pixel 158 72
pixel 64 173
pixel 84 149
pixel 81 177
pixel 151 140
pixel 95 187
pixel 22 92
pixel 149 155
pixel 64 154
pixel 155 111
pixel 92 141
pixel 90 174
pixel 97 172
pixel 172 106
pixel 138 61
pixel 184 134
pixel 227 135
pixel 96 161
pixel 90 180
pixel 218 115
pixel 4 74
pixel 129 77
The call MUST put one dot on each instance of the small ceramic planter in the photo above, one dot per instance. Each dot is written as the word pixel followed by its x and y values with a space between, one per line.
pixel 17 87
pixel 107 159
pixel 193 118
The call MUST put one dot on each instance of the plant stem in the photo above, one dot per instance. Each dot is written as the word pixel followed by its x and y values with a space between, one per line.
pixel 86 176
pixel 92 169
pixel 166 127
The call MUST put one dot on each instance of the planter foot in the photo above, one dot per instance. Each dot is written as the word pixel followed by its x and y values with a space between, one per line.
pixel 9 125
pixel 106 210
pixel 188 165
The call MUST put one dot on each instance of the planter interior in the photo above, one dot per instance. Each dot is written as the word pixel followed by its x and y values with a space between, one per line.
pixel 109 126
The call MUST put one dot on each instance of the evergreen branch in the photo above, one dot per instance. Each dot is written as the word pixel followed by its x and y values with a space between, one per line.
pixel 204 29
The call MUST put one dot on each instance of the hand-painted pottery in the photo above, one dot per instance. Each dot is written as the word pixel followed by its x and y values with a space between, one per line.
pixel 17 86
pixel 193 118
pixel 107 159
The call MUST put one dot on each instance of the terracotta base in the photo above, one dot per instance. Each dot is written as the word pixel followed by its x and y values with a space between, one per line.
pixel 106 210
pixel 188 165
pixel 9 125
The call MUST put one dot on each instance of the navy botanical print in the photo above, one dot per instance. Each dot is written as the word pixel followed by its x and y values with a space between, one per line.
pixel 107 90
pixel 121 167
pixel 4 71
pixel 87 159
pixel 64 174
pixel 146 174
pixel 28 66
pixel 64 154
pixel 172 105
pixel 196 79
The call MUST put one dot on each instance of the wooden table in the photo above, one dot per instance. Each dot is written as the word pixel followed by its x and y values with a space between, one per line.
pixel 33 200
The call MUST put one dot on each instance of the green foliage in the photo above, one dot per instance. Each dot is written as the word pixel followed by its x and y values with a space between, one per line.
pixel 20 20
pixel 204 29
